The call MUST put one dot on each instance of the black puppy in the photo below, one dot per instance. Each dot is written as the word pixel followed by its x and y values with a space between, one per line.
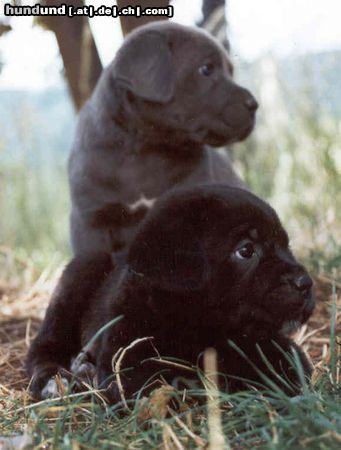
pixel 209 265
pixel 168 92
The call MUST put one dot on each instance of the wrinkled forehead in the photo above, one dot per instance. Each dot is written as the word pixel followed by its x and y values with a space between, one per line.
pixel 200 44
pixel 223 210
pixel 190 46
pixel 194 44
pixel 219 205
pixel 254 220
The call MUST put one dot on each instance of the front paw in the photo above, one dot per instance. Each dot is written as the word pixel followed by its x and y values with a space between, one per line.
pixel 55 387
pixel 49 382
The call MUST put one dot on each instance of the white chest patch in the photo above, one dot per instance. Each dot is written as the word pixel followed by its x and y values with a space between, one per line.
pixel 142 201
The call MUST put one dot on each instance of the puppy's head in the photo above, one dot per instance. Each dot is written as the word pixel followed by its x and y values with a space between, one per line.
pixel 224 252
pixel 181 80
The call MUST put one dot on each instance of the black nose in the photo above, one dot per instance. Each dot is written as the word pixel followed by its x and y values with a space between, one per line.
pixel 303 282
pixel 251 104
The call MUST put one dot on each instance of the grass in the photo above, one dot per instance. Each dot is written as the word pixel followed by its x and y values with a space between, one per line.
pixel 249 420
pixel 36 222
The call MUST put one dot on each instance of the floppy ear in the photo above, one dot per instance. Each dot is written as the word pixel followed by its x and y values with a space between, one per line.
pixel 144 66
pixel 170 258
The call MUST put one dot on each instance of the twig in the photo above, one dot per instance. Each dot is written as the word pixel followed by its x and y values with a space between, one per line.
pixel 28 332
pixel 320 340
pixel 311 333
pixel 328 434
pixel 197 439
pixel 97 393
pixel 215 431
pixel 172 364
pixel 56 399
pixel 117 360
pixel 173 436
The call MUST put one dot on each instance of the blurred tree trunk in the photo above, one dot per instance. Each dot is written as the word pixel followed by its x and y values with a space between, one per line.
pixel 128 23
pixel 78 50
pixel 214 20
pixel 4 28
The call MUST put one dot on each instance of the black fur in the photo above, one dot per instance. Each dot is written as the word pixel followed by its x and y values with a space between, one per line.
pixel 168 92
pixel 209 265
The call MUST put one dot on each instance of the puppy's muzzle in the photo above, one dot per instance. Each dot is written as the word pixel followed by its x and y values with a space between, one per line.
pixel 245 98
pixel 300 281
pixel 240 110
pixel 251 104
pixel 302 284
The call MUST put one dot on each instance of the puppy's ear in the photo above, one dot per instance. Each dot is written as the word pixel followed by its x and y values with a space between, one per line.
pixel 169 258
pixel 144 66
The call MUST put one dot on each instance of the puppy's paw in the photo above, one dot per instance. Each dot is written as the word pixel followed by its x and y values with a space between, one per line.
pixel 85 371
pixel 112 394
pixel 55 387
pixel 48 382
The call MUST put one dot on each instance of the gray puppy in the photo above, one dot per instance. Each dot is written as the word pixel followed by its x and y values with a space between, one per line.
pixel 168 93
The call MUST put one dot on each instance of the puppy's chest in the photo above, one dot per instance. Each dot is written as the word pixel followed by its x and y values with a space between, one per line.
pixel 151 174
pixel 186 342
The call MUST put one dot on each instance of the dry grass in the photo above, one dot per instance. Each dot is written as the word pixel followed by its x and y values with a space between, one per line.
pixel 24 297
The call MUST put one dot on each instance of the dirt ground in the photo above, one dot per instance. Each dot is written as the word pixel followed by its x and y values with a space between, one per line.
pixel 22 308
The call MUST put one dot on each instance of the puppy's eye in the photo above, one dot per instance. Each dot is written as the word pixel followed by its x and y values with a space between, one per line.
pixel 246 251
pixel 206 70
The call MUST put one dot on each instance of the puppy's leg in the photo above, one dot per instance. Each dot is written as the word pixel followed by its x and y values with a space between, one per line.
pixel 108 229
pixel 119 221
pixel 278 353
pixel 135 370
pixel 60 335
pixel 305 363
pixel 86 237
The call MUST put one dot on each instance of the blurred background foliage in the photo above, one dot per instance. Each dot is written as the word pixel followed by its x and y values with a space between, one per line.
pixel 36 133
pixel 293 158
